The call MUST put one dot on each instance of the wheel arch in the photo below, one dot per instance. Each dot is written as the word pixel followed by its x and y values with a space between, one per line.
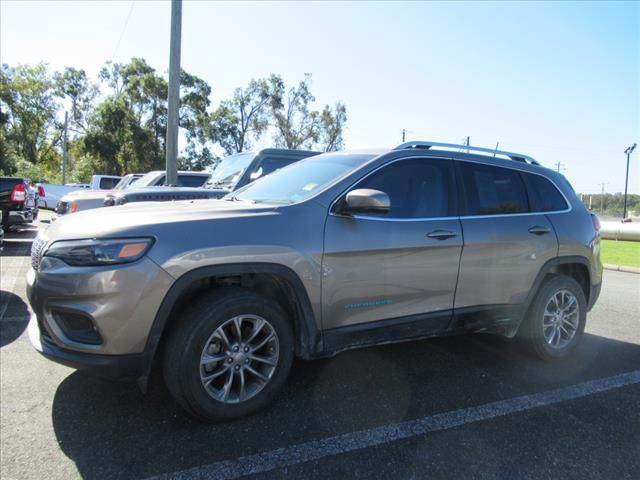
pixel 277 281
pixel 574 266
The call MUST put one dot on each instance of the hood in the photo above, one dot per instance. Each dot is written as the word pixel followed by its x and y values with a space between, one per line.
pixel 81 194
pixel 146 218
pixel 163 189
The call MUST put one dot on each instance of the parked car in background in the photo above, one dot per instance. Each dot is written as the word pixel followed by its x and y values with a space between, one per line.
pixel 153 181
pixel 88 199
pixel 231 173
pixel 335 252
pixel 56 192
pixel 18 201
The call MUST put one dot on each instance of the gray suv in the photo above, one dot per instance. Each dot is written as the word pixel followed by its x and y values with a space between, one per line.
pixel 336 251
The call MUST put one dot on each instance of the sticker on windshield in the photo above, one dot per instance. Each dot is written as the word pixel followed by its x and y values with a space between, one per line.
pixel 309 186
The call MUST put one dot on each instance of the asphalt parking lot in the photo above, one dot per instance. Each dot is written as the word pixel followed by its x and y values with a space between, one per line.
pixel 472 406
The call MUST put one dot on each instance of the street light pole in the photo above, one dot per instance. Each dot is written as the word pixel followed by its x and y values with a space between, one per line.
pixel 628 152
pixel 174 94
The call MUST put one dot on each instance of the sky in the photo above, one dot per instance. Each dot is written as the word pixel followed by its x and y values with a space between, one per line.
pixel 557 81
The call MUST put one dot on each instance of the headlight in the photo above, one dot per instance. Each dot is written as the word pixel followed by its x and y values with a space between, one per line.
pixel 99 252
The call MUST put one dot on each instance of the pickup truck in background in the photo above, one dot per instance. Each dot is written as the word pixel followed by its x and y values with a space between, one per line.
pixel 55 192
pixel 88 199
pixel 231 173
pixel 155 181
pixel 18 201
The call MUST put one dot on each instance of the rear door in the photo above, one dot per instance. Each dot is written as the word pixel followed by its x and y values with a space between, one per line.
pixel 505 243
pixel 398 265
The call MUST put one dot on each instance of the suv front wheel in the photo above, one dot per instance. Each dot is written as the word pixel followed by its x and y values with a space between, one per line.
pixel 229 355
pixel 556 319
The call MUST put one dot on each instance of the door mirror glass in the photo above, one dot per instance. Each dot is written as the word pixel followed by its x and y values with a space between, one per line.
pixel 366 200
pixel 255 175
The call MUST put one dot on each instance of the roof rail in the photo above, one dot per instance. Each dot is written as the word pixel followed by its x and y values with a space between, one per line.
pixel 518 157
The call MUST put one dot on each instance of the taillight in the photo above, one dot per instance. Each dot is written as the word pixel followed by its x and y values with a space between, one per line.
pixel 19 193
pixel 41 191
pixel 596 222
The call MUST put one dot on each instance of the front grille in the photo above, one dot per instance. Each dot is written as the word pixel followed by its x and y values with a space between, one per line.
pixel 37 248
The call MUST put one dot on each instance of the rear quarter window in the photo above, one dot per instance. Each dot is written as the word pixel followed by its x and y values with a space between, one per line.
pixel 543 194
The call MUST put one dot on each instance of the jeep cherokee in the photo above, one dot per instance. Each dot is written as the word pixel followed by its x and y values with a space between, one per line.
pixel 337 251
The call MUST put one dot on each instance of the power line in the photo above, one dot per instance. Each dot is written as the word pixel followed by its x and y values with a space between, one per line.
pixel 126 22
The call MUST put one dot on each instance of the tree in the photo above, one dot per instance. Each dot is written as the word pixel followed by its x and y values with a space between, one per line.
pixel 332 126
pixel 74 85
pixel 242 119
pixel 30 131
pixel 296 125
pixel 195 119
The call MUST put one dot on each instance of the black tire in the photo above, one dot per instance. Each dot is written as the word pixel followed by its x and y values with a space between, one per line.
pixel 188 339
pixel 532 332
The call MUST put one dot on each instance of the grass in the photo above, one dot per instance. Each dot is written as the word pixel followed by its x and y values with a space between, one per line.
pixel 620 252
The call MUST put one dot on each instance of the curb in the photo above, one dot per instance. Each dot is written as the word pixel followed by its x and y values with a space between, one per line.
pixel 621 268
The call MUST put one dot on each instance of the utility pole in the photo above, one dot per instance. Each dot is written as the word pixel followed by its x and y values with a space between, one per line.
pixel 628 152
pixel 403 133
pixel 602 198
pixel 65 149
pixel 560 166
pixel 174 93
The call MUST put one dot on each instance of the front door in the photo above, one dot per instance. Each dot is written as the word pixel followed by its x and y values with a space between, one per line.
pixel 400 264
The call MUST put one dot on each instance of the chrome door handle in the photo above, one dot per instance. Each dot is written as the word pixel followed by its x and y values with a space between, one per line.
pixel 538 230
pixel 441 234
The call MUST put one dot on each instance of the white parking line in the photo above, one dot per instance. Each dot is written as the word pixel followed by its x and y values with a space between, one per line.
pixel 349 442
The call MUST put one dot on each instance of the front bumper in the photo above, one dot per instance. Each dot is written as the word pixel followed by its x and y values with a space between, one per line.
pixel 116 306
pixel 117 367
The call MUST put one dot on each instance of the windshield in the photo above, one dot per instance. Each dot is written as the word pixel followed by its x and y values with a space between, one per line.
pixel 125 182
pixel 149 179
pixel 301 180
pixel 229 170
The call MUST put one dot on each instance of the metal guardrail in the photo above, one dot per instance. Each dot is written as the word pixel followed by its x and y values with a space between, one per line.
pixel 620 231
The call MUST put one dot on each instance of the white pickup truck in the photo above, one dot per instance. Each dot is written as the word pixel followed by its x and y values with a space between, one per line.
pixel 53 193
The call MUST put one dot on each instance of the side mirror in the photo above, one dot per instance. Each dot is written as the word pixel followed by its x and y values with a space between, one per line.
pixel 255 175
pixel 366 200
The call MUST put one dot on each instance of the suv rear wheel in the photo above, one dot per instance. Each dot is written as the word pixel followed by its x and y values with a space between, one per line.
pixel 229 355
pixel 556 319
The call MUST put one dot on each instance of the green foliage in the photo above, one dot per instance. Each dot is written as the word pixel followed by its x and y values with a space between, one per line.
pixel 246 115
pixel 29 105
pixel 296 125
pixel 74 85
pixel 123 128
pixel 611 205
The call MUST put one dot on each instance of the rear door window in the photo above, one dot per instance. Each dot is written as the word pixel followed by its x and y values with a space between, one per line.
pixel 493 190
pixel 544 196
